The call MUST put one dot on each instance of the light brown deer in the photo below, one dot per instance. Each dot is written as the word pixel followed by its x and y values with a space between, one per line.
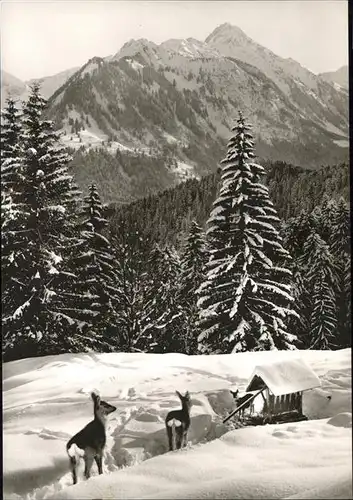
pixel 91 439
pixel 178 422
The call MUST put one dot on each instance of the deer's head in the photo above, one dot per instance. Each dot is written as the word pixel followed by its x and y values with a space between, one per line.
pixel 185 400
pixel 101 406
pixel 235 393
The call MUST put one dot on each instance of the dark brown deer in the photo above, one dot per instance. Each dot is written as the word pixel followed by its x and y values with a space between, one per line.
pixel 91 439
pixel 242 399
pixel 178 422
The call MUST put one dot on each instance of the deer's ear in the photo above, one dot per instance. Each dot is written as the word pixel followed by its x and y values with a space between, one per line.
pixel 178 394
pixel 95 397
pixel 187 394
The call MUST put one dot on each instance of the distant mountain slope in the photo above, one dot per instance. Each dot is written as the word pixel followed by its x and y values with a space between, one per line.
pixel 12 86
pixel 49 84
pixel 339 77
pixel 178 101
pixel 173 105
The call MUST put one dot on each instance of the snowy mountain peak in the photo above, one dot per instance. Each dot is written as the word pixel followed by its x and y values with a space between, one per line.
pixel 233 42
pixel 149 52
pixel 189 47
pixel 133 46
pixel 226 32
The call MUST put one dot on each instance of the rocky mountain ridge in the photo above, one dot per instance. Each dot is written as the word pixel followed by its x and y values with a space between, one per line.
pixel 338 77
pixel 176 102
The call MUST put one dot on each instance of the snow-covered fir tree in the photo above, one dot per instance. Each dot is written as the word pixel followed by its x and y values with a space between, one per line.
pixel 328 225
pixel 10 145
pixel 11 247
pixel 160 320
pixel 12 240
pixel 321 280
pixel 323 216
pixel 295 232
pixel 246 299
pixel 339 237
pixel 340 248
pixel 130 254
pixel 169 337
pixel 193 261
pixel 93 265
pixel 347 291
pixel 151 309
pixel 36 321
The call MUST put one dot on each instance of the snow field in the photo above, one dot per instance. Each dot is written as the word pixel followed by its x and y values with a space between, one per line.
pixel 185 171
pixel 46 401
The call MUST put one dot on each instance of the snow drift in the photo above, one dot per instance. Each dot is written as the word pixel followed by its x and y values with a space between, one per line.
pixel 46 401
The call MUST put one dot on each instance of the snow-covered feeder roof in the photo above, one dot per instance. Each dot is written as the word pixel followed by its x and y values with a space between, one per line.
pixel 284 377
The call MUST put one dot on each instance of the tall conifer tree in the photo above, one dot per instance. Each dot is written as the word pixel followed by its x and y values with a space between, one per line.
pixel 340 248
pixel 246 298
pixel 94 265
pixel 37 321
pixel 193 261
pixel 321 280
pixel 11 127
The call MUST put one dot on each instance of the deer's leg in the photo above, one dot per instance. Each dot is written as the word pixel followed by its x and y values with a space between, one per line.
pixel 170 438
pixel 179 438
pixel 98 459
pixel 185 439
pixel 73 469
pixel 89 455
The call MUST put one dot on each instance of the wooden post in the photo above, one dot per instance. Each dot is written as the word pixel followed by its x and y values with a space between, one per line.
pixel 297 406
pixel 271 403
pixel 268 407
pixel 300 403
pixel 287 403
pixel 265 407
pixel 277 404
pixel 292 402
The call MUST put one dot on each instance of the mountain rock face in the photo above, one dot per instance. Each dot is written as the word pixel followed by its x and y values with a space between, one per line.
pixel 172 105
pixel 339 77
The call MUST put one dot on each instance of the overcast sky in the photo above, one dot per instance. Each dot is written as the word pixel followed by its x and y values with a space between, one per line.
pixel 43 38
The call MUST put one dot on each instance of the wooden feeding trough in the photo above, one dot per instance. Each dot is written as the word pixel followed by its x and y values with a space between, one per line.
pixel 281 385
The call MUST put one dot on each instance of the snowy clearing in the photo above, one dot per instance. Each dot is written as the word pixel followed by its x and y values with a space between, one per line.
pixel 342 143
pixel 134 64
pixel 170 138
pixel 93 139
pixel 339 87
pixel 85 138
pixel 185 171
pixel 46 401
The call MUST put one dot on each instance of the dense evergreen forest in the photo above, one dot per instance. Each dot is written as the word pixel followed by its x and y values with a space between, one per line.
pixel 253 257
pixel 166 216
